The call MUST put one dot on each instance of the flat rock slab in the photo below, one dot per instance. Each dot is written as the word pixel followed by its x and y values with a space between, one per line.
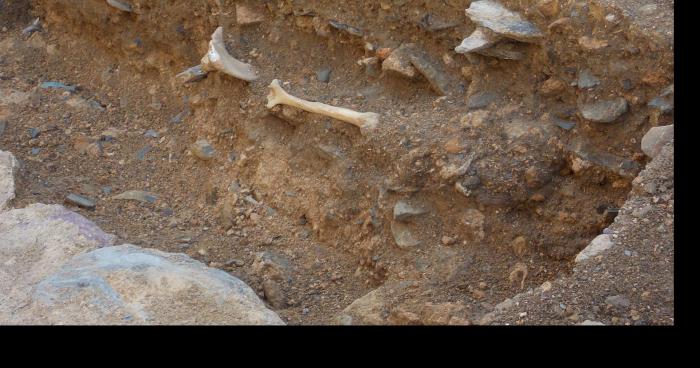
pixel 431 70
pixel 496 17
pixel 130 285
pixel 34 242
pixel 8 167
pixel 480 39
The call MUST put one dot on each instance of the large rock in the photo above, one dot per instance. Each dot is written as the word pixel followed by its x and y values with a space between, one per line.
pixel 129 285
pixel 34 242
pixel 8 167
pixel 656 138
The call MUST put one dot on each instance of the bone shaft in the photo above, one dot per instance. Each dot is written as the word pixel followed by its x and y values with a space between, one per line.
pixel 347 115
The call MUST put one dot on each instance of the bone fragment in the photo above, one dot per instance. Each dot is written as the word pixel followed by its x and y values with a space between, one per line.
pixel 217 58
pixel 366 121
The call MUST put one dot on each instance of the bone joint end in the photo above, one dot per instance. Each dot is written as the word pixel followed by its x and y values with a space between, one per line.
pixel 218 58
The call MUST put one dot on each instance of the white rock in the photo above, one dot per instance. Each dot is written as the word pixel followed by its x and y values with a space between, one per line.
pixel 129 285
pixel 599 244
pixel 34 242
pixel 8 167
pixel 591 323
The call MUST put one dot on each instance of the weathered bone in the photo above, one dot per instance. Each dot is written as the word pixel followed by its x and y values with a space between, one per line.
pixel 217 58
pixel 366 121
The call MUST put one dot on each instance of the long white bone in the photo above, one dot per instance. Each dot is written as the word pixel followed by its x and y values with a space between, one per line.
pixel 366 121
pixel 217 58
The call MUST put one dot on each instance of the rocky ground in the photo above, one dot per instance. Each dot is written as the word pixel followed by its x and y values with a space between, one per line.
pixel 504 145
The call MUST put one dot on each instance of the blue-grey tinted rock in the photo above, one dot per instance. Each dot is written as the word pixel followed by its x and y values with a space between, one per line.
pixel 137 195
pixel 57 85
pixel 605 111
pixel 126 284
pixel 203 150
pixel 150 133
pixel 347 28
pixel 121 5
pixel 324 75
pixel 663 104
pixel 36 241
pixel 141 154
pixel 587 80
pixel 107 190
pixel 493 15
pixel 81 201
pixel 34 132
pixel 564 124
pixel 3 125
pixel 481 99
pixel 503 50
pixel 167 212
pixel 627 85
pixel 36 151
pixel 620 165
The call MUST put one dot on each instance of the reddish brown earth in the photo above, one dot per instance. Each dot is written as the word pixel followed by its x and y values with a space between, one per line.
pixel 299 206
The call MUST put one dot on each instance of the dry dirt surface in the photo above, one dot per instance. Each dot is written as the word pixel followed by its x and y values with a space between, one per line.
pixel 487 174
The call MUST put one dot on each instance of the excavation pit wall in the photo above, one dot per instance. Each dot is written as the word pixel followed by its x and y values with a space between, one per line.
pixel 543 192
